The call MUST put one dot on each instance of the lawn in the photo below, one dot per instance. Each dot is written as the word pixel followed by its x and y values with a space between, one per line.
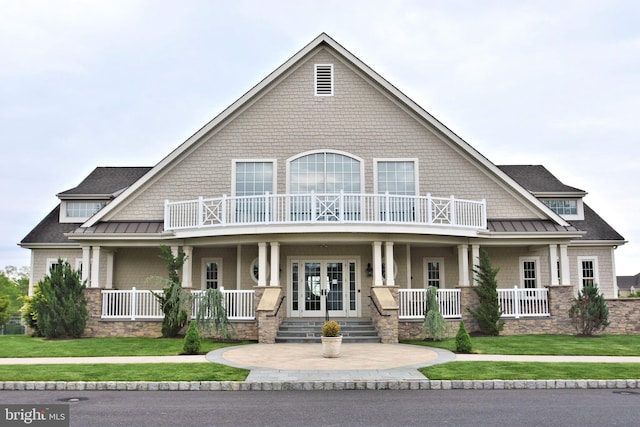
pixel 26 346
pixel 123 372
pixel 531 371
pixel 553 345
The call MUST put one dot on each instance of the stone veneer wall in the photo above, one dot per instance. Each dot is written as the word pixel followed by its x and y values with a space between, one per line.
pixel 624 315
pixel 386 324
pixel 97 327
pixel 268 322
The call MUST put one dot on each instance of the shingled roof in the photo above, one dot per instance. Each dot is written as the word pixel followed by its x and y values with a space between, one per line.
pixel 538 180
pixel 106 181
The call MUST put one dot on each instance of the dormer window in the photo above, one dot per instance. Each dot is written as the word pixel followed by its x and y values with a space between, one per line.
pixel 566 208
pixel 77 211
pixel 323 79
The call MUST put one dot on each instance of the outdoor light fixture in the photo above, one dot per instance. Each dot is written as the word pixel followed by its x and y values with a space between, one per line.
pixel 369 270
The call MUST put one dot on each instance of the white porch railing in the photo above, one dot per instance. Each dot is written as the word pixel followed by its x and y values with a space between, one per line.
pixel 529 302
pixel 134 304
pixel 313 208
pixel 412 303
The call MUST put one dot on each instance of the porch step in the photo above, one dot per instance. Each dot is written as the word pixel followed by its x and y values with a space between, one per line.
pixel 310 331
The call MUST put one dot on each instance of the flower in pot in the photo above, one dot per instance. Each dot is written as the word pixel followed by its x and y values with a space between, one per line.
pixel 331 339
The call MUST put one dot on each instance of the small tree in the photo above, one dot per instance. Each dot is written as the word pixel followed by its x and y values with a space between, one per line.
pixel 488 313
pixel 5 310
pixel 173 299
pixel 192 340
pixel 589 312
pixel 29 313
pixel 463 340
pixel 434 326
pixel 211 315
pixel 61 308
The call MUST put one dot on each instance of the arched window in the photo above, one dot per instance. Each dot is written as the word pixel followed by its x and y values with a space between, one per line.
pixel 324 172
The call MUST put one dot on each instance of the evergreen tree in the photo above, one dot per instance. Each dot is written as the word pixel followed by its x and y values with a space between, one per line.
pixel 173 300
pixel 61 308
pixel 434 326
pixel 589 312
pixel 192 340
pixel 212 314
pixel 488 313
pixel 463 340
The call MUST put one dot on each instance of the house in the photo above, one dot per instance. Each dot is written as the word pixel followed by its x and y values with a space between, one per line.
pixel 324 190
pixel 628 284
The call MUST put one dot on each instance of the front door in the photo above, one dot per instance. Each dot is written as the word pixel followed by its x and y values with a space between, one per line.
pixel 319 287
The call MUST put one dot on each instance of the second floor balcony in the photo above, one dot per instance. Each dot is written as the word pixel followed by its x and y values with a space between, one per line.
pixel 325 208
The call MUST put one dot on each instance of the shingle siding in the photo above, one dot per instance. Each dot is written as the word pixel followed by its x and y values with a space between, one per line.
pixel 289 120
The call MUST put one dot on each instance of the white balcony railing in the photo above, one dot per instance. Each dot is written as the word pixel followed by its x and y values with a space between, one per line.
pixel 412 303
pixel 529 302
pixel 134 304
pixel 313 208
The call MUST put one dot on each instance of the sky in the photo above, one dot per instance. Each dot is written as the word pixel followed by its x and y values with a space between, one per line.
pixel 123 82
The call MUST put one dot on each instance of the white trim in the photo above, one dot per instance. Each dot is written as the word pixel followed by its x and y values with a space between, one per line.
pixel 64 218
pixel 416 174
pixel 425 271
pixel 203 271
pixel 579 207
pixel 315 79
pixel 536 262
pixel 255 261
pixel 274 162
pixel 321 151
pixel 596 277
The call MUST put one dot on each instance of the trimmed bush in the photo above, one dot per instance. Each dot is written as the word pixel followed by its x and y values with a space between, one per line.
pixel 192 340
pixel 488 313
pixel 589 312
pixel 463 340
pixel 331 329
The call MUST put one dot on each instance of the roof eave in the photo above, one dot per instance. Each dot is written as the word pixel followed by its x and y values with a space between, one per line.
pixel 598 242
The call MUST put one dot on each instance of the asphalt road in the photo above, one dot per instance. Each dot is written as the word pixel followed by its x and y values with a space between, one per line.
pixel 458 408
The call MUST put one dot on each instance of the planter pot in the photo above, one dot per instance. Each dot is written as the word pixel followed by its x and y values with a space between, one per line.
pixel 331 346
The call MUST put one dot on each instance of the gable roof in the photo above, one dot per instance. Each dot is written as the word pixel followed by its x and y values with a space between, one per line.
pixel 626 282
pixel 102 182
pixel 538 180
pixel 541 182
pixel 105 181
pixel 323 40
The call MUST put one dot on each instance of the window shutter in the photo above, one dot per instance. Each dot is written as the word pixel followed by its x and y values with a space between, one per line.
pixel 324 79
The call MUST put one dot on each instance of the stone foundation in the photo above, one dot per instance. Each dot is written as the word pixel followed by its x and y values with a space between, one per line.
pixel 386 324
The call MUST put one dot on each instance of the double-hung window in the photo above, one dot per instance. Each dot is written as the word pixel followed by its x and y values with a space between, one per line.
pixel 588 271
pixel 211 273
pixel 434 272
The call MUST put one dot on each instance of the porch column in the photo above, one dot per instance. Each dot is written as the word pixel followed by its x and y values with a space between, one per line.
pixel 95 267
pixel 377 263
pixel 86 265
pixel 262 263
pixel 475 259
pixel 388 257
pixel 553 264
pixel 175 250
pixel 187 267
pixel 565 278
pixel 110 259
pixel 275 264
pixel 463 265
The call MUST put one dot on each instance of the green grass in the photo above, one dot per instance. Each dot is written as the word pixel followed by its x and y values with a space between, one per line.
pixel 123 372
pixel 554 345
pixel 531 371
pixel 25 346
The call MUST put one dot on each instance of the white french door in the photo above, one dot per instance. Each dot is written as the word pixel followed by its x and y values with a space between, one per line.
pixel 318 287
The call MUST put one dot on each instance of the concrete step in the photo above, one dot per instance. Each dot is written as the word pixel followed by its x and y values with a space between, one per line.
pixel 310 331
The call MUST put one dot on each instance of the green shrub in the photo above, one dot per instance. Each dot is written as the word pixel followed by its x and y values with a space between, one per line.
pixel 173 300
pixel 488 313
pixel 61 310
pixel 331 329
pixel 589 312
pixel 212 315
pixel 434 326
pixel 463 340
pixel 192 340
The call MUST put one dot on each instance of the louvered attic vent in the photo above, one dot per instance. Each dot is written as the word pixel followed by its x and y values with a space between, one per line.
pixel 324 79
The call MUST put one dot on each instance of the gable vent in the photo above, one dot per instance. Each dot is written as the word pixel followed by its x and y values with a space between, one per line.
pixel 324 79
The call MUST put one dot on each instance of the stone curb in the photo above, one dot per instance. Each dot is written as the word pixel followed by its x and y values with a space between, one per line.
pixel 317 385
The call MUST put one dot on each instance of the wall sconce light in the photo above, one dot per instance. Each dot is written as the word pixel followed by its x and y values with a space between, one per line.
pixel 369 270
